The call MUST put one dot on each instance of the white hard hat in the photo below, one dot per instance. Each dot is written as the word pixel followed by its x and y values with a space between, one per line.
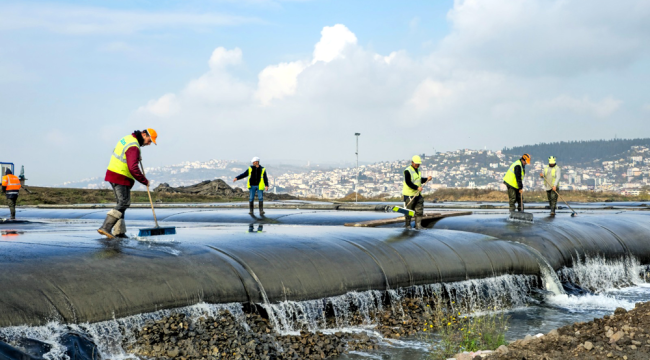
pixel 255 159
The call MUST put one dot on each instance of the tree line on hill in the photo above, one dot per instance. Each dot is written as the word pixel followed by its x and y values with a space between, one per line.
pixel 578 152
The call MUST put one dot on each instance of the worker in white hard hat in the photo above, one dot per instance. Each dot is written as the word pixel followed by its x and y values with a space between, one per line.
pixel 257 183
pixel 412 192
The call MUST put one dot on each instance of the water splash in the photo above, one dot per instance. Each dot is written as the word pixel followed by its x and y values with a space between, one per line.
pixel 598 274
pixel 110 336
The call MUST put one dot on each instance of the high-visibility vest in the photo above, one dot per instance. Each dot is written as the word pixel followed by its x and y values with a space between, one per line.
pixel 261 184
pixel 552 180
pixel 118 163
pixel 510 177
pixel 12 183
pixel 416 179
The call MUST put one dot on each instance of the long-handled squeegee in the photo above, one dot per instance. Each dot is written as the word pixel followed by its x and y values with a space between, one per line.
pixel 405 210
pixel 158 230
pixel 573 212
pixel 521 215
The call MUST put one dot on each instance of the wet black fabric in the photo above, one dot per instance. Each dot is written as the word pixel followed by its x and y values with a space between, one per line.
pixel 122 197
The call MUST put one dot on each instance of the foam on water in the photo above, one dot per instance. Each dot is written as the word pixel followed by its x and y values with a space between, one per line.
pixel 598 274
pixel 588 302
pixel 109 336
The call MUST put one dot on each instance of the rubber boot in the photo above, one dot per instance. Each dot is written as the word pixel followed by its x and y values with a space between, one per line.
pixel 418 222
pixel 251 206
pixel 261 207
pixel 119 230
pixel 553 211
pixel 111 218
pixel 407 222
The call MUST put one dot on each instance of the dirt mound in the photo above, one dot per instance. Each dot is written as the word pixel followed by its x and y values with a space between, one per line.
pixel 217 188
pixel 624 335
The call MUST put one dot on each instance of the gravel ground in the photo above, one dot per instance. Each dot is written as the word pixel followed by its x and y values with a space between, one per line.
pixel 623 335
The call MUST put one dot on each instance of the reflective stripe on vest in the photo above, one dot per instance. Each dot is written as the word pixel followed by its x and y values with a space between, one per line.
pixel 416 179
pixel 550 183
pixel 118 163
pixel 12 182
pixel 261 185
pixel 510 178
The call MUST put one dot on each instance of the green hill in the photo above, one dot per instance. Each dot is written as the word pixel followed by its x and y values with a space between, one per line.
pixel 580 152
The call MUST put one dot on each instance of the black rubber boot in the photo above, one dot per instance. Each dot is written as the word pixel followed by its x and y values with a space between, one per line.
pixel 261 207
pixel 251 206
pixel 418 222
pixel 407 222
pixel 105 230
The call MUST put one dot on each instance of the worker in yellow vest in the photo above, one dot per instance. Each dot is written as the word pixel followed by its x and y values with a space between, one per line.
pixel 257 184
pixel 412 192
pixel 11 187
pixel 514 180
pixel 551 177
pixel 122 173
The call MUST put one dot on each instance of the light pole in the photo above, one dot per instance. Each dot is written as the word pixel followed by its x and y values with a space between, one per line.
pixel 356 188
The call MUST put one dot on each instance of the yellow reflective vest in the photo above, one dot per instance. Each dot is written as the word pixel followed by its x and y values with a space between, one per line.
pixel 261 185
pixel 510 177
pixel 550 180
pixel 118 163
pixel 416 179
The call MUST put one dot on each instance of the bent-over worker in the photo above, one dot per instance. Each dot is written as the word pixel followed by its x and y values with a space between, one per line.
pixel 257 183
pixel 122 173
pixel 514 180
pixel 551 177
pixel 412 192
pixel 11 187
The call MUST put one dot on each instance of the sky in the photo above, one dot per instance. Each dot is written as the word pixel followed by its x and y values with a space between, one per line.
pixel 292 81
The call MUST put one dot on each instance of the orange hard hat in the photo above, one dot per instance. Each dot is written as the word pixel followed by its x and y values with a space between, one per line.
pixel 153 135
pixel 527 158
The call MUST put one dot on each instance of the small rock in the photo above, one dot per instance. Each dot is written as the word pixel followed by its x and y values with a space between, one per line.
pixel 588 345
pixel 502 350
pixel 620 311
pixel 616 337
pixel 463 356
pixel 609 355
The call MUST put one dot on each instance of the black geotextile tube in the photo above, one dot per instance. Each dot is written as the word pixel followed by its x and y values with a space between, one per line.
pixel 562 239
pixel 72 277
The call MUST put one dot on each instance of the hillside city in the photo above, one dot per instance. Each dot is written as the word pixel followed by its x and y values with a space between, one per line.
pixel 477 169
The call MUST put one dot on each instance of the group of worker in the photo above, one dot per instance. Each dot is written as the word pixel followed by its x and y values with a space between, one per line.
pixel 514 181
pixel 124 170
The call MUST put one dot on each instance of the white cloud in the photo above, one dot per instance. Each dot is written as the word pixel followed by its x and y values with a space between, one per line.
pixel 427 92
pixel 557 37
pixel 462 93
pixel 165 106
pixel 333 43
pixel 278 81
pixel 80 20
pixel 585 105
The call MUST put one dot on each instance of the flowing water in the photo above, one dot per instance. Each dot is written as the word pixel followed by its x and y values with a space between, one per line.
pixel 592 287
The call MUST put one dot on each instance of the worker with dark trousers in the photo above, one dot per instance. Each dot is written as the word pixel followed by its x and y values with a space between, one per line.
pixel 122 173
pixel 257 184
pixel 514 180
pixel 412 192
pixel 551 177
pixel 11 187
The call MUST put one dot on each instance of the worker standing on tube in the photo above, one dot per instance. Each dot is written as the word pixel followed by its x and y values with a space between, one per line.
pixel 514 180
pixel 122 173
pixel 257 184
pixel 11 187
pixel 412 192
pixel 551 176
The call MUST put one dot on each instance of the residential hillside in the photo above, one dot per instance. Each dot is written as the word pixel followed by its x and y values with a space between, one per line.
pixel 581 153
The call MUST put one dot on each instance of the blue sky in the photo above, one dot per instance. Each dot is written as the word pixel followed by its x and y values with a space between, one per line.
pixel 293 80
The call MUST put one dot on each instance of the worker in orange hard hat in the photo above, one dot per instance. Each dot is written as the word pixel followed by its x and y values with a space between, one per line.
pixel 122 173
pixel 11 186
pixel 514 180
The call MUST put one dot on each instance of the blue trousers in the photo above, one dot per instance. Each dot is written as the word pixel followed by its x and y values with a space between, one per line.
pixel 253 190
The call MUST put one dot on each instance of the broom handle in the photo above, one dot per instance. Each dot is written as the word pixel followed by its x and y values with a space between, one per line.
pixel 149 193
pixel 558 194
